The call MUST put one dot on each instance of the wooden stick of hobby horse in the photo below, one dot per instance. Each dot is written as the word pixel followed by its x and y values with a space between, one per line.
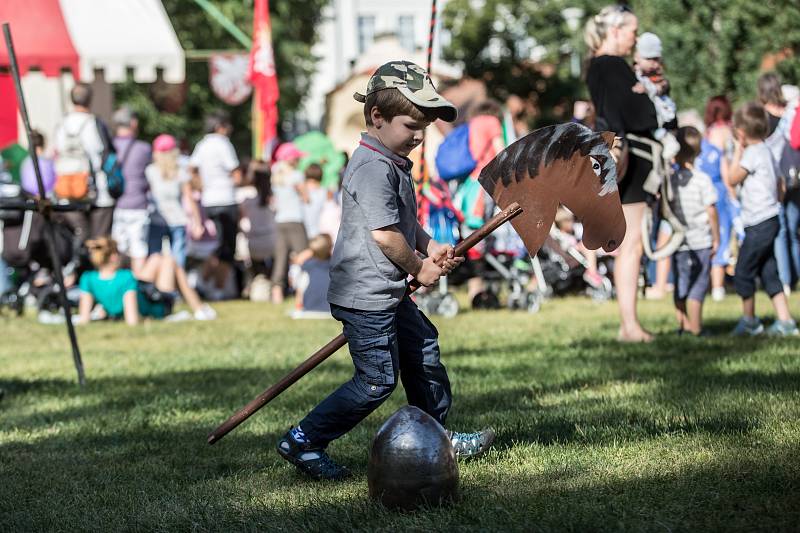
pixel 329 349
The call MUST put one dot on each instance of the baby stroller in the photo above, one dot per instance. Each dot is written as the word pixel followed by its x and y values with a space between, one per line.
pixel 25 251
pixel 510 266
pixel 564 268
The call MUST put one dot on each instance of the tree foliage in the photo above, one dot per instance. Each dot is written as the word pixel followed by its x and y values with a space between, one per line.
pixel 293 34
pixel 523 47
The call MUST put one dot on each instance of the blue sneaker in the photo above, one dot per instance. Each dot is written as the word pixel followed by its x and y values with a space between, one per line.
pixel 311 460
pixel 468 445
pixel 748 326
pixel 783 328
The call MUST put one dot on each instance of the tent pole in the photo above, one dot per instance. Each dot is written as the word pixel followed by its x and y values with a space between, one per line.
pixel 44 208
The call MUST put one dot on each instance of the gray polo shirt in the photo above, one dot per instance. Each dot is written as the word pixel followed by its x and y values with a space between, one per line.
pixel 377 191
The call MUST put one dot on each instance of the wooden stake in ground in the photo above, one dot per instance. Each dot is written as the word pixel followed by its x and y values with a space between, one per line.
pixel 42 205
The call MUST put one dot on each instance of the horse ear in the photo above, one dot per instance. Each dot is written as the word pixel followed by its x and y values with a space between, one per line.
pixel 608 137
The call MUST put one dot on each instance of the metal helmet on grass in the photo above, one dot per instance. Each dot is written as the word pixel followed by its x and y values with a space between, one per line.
pixel 412 462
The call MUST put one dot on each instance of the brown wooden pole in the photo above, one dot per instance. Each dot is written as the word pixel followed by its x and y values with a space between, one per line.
pixel 329 349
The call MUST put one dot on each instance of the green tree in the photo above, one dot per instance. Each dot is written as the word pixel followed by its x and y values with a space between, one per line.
pixel 718 46
pixel 711 47
pixel 293 35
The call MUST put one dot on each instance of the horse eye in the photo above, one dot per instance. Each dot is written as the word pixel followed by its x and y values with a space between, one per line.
pixel 596 166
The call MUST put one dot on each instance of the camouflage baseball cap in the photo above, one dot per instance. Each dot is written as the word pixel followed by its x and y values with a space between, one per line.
pixel 414 83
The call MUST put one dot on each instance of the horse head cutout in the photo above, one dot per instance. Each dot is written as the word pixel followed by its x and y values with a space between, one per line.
pixel 562 164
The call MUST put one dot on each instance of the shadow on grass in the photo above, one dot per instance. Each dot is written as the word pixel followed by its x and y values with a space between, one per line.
pixel 83 485
pixel 130 452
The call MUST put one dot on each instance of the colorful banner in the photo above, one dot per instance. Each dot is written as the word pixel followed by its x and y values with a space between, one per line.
pixel 262 75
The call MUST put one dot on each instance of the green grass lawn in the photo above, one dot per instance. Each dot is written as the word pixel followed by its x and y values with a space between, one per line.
pixel 683 434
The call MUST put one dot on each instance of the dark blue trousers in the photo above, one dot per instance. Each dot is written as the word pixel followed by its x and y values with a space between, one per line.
pixel 384 345
pixel 757 259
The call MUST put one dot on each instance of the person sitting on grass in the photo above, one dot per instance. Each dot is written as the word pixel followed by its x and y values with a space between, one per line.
pixel 694 196
pixel 311 289
pixel 753 168
pixel 121 295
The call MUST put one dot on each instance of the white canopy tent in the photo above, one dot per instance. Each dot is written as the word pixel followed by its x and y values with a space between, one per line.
pixel 115 35
pixel 109 36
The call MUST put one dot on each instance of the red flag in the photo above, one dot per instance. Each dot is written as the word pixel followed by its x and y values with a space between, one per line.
pixel 261 71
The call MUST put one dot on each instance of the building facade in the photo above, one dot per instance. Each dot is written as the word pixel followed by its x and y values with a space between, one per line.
pixel 349 29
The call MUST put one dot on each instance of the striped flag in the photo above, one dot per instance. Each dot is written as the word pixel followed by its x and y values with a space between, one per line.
pixel 262 74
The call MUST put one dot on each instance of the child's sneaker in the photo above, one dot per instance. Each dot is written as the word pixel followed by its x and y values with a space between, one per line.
pixel 205 313
pixel 748 326
pixel 718 294
pixel 469 445
pixel 180 316
pixel 783 328
pixel 311 460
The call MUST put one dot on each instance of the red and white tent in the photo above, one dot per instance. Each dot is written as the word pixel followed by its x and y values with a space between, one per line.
pixel 95 41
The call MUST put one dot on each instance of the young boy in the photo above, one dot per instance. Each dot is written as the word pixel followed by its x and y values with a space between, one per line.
pixel 694 196
pixel 753 168
pixel 373 256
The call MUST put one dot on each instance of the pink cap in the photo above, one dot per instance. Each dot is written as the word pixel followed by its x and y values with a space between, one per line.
pixel 164 143
pixel 287 152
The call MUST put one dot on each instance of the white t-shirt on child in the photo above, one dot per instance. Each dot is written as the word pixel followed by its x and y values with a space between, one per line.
pixel 759 193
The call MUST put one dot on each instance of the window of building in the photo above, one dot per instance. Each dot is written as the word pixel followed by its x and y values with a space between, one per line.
pixel 405 32
pixel 366 32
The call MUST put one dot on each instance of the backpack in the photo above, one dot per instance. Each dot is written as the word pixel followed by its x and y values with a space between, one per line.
pixel 470 202
pixel 454 160
pixel 112 167
pixel 789 166
pixel 73 167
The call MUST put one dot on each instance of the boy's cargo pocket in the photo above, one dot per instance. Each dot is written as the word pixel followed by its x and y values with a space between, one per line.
pixel 372 357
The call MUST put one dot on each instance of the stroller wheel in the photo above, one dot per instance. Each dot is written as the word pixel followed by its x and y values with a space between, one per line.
pixel 448 306
pixel 603 292
pixel 485 300
pixel 427 302
pixel 13 302
pixel 533 301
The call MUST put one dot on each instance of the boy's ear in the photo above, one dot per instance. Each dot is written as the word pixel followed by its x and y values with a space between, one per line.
pixel 377 117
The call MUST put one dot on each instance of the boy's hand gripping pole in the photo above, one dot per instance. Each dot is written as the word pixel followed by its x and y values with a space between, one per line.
pixel 329 349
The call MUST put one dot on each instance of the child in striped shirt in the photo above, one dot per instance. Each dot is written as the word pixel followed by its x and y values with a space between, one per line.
pixel 693 199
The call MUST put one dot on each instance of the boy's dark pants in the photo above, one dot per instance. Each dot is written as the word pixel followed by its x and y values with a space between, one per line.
pixel 383 344
pixel 757 258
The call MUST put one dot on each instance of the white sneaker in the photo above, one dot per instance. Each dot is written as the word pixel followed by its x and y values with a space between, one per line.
pixel 205 313
pixel 180 316
pixel 787 290
pixel 718 294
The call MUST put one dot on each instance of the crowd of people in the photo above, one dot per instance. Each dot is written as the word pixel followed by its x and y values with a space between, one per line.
pixel 719 195
pixel 730 201
pixel 198 224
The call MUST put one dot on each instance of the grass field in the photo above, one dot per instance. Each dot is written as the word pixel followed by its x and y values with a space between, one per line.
pixel 683 434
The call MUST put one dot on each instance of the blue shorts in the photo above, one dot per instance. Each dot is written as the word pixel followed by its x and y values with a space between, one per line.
pixel 692 270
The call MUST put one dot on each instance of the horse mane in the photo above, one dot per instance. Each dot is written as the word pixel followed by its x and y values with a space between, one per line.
pixel 545 145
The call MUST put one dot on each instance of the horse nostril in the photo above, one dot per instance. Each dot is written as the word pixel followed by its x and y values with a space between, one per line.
pixel 612 243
